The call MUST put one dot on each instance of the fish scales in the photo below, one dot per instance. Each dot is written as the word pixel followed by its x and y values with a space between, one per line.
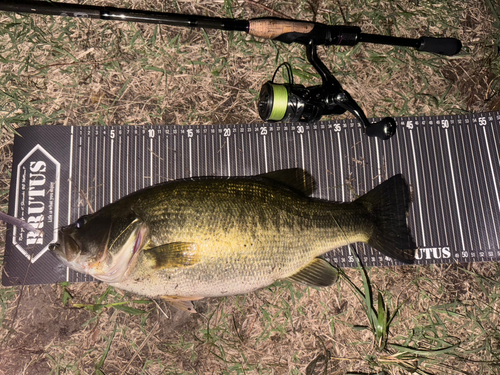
pixel 244 230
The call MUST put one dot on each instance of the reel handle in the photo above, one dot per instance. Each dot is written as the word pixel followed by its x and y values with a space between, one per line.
pixel 384 129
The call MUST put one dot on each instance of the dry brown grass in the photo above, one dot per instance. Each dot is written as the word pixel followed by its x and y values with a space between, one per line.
pixel 82 72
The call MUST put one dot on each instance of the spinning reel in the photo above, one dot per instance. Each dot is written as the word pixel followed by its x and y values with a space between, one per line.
pixel 291 102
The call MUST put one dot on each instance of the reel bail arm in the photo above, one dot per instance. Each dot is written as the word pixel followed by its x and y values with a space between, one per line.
pixel 337 96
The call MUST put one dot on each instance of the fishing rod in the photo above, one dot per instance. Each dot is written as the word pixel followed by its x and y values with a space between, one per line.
pixel 277 102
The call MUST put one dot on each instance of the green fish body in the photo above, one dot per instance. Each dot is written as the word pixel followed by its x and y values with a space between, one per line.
pixel 214 236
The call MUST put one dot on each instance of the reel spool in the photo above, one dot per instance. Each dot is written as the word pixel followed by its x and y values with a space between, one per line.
pixel 287 102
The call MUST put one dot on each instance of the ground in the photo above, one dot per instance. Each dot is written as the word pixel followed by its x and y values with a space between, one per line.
pixel 84 72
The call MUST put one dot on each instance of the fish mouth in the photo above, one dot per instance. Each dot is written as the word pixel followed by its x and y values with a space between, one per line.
pixel 68 251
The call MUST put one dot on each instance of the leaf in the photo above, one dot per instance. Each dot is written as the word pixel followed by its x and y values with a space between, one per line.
pixel 129 310
pixel 89 307
pixel 407 349
pixel 360 328
pixel 66 297
pixel 382 317
pixel 106 351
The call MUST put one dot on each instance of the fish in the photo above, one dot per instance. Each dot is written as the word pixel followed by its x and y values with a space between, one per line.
pixel 184 240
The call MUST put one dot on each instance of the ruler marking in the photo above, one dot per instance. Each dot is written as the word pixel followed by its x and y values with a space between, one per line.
pixel 280 150
pixel 104 158
pixel 342 178
pixel 168 156
pixel 174 153
pixel 417 184
pixel 120 141
pixel 79 175
pixel 379 166
pixel 482 204
pixel 440 189
pixel 70 179
pixel 460 178
pixel 273 152
pixel 301 138
pixel 446 185
pixel 151 153
pixel 205 150
pixel 288 153
pixel 257 153
pixel 245 172
pixel 325 167
pixel 135 160
pixel 455 190
pixel 128 160
pixel 70 187
pixel 228 147
pixel 431 153
pixel 111 171
pixel 214 152
pixel 410 172
pixel 89 143
pixel 144 158
pixel 492 168
pixel 264 141
pixel 160 177
pixel 237 171
pixel 95 172
pixel 495 143
pixel 220 155
pixel 182 141
pixel 467 177
pixel 198 147
pixel 190 150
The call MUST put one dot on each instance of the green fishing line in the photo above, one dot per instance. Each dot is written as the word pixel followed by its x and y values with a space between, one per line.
pixel 280 102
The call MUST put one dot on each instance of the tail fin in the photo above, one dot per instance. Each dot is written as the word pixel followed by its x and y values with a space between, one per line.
pixel 388 203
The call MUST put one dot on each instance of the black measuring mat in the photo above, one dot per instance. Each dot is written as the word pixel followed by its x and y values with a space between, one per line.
pixel 452 164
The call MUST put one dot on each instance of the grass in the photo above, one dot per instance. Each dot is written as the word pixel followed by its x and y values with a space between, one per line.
pixel 425 320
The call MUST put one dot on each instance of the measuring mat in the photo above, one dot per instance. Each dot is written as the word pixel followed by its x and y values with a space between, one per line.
pixel 452 164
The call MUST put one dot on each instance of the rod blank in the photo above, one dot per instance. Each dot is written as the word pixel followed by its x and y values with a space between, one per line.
pixel 287 31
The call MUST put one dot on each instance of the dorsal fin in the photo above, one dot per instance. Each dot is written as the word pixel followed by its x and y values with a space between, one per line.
pixel 296 178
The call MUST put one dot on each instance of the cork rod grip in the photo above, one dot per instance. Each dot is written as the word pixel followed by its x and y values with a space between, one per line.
pixel 270 28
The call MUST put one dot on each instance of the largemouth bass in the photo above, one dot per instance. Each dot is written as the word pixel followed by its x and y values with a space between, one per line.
pixel 213 236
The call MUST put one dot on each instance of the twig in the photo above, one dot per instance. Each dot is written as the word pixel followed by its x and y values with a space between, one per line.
pixel 140 348
pixel 17 222
pixel 272 11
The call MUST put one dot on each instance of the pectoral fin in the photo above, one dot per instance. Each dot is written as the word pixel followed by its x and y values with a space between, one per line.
pixel 182 303
pixel 174 255
pixel 317 273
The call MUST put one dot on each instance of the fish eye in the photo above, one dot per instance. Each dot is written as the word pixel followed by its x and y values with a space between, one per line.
pixel 81 222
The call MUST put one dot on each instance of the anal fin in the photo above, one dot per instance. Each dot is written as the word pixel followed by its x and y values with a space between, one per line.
pixel 182 303
pixel 317 273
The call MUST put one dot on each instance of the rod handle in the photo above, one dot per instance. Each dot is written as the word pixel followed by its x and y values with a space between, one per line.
pixel 442 46
pixel 273 28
